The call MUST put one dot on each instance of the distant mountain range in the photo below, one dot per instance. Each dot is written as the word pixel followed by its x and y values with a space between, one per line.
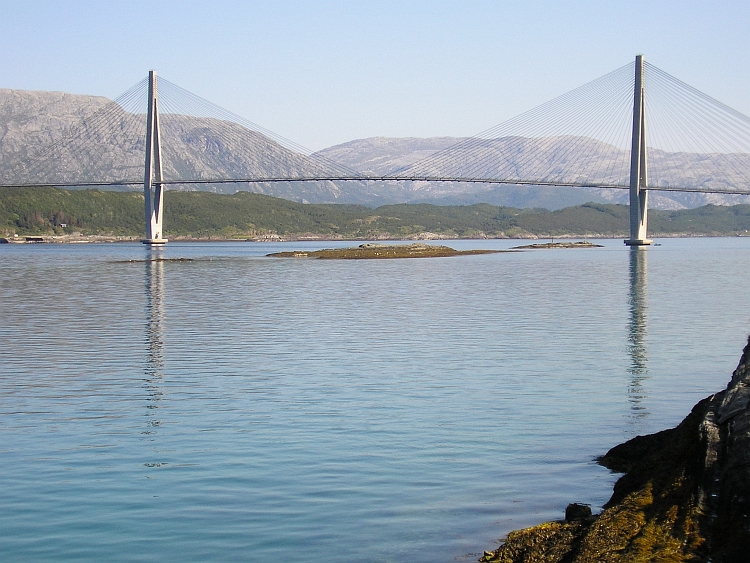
pixel 542 158
pixel 207 148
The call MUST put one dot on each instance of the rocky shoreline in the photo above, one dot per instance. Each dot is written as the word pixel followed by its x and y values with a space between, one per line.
pixel 684 495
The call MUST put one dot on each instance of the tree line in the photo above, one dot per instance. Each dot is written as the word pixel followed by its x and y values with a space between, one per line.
pixel 40 210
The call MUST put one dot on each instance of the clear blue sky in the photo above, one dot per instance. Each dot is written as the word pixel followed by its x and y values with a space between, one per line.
pixel 325 72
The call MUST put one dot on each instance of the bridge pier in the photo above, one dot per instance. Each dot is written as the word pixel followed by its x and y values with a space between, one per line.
pixel 638 163
pixel 153 189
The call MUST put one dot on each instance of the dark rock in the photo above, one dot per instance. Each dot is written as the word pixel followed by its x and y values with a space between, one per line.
pixel 575 511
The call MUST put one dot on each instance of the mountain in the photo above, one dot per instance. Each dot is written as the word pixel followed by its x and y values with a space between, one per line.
pixel 109 146
pixel 540 158
pixel 110 143
pixel 30 120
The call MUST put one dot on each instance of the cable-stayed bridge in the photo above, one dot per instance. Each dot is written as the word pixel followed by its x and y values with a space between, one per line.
pixel 636 128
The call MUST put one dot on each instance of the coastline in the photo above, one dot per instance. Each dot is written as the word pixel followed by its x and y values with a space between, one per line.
pixel 79 238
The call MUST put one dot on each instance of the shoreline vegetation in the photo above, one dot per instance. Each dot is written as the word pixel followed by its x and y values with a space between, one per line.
pixel 684 495
pixel 78 216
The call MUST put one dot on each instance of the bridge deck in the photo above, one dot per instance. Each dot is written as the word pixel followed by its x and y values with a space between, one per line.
pixel 324 178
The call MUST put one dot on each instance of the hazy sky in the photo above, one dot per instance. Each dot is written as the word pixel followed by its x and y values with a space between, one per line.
pixel 325 72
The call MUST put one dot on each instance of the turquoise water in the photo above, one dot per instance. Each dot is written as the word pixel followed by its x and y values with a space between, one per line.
pixel 242 408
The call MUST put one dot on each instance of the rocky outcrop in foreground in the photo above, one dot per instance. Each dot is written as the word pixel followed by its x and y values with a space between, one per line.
pixel 685 495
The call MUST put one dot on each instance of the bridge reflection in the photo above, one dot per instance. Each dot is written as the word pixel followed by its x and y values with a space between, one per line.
pixel 155 315
pixel 637 368
pixel 637 332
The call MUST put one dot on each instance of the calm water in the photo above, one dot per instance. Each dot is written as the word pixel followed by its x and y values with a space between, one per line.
pixel 242 408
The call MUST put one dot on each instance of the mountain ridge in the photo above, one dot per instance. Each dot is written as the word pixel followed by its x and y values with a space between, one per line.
pixel 204 148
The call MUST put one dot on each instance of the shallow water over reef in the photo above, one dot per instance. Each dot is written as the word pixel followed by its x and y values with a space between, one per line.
pixel 230 406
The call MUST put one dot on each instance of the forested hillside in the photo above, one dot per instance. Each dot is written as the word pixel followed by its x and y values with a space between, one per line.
pixel 202 214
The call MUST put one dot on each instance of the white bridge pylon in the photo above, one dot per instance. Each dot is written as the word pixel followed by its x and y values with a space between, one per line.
pixel 153 188
pixel 639 163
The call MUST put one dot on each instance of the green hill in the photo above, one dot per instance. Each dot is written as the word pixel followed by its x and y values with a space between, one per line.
pixel 35 211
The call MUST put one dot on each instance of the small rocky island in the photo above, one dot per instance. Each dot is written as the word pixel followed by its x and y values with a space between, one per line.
pixel 684 495
pixel 577 244
pixel 373 250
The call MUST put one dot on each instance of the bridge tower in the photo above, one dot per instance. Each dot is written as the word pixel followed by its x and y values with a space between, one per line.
pixel 153 189
pixel 638 163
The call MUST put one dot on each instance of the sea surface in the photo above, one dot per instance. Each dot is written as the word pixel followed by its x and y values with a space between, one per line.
pixel 233 407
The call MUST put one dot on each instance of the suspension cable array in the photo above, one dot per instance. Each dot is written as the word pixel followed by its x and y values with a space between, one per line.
pixel 583 138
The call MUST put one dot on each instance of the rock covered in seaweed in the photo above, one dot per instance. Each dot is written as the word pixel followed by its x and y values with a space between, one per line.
pixel 685 495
